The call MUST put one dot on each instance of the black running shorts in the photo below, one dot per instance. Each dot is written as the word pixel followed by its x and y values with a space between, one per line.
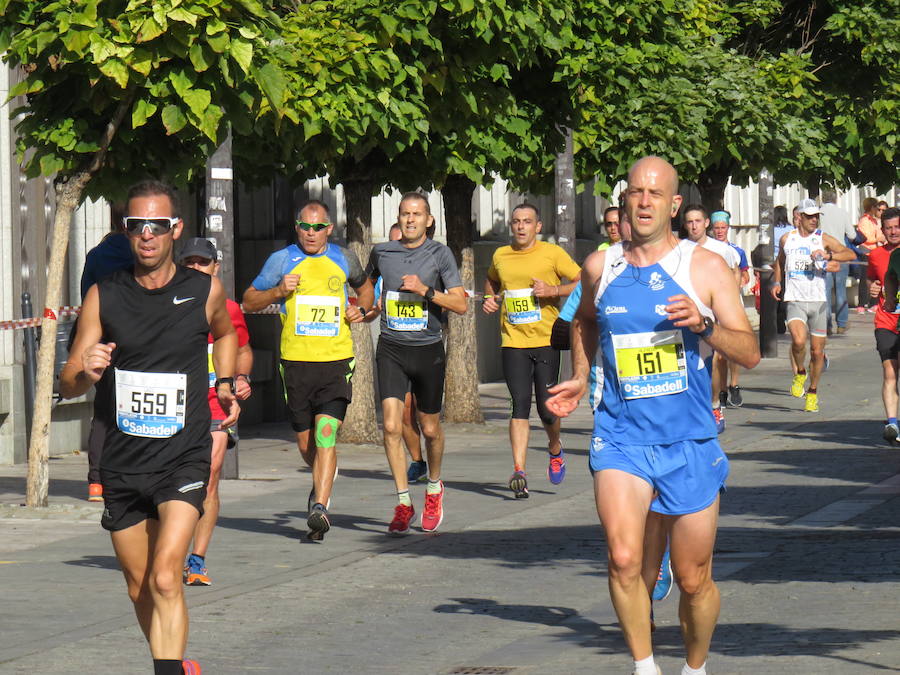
pixel 416 368
pixel 131 498
pixel 317 388
pixel 887 343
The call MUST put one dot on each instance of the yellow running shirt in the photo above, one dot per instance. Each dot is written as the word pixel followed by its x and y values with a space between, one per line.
pixel 314 323
pixel 526 321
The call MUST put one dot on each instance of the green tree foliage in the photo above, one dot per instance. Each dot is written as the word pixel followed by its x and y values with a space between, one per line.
pixel 183 68
pixel 725 88
pixel 122 89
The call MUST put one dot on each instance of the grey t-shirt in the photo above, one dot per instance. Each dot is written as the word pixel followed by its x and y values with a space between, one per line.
pixel 836 222
pixel 408 318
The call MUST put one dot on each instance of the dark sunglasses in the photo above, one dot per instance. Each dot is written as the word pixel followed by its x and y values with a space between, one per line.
pixel 158 226
pixel 315 227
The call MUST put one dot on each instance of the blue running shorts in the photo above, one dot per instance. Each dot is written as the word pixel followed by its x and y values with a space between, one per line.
pixel 687 476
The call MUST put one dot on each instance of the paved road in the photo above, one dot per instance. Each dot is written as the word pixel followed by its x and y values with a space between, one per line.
pixel 808 556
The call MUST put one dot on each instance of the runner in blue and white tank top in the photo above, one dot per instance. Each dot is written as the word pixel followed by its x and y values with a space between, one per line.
pixel 656 307
pixel 657 388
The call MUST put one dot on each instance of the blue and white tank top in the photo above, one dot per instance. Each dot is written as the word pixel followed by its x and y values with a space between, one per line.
pixel 656 388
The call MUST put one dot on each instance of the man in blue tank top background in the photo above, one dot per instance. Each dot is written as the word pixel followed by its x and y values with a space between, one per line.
pixel 656 308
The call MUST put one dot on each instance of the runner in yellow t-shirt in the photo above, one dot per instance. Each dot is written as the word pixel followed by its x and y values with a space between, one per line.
pixel 525 281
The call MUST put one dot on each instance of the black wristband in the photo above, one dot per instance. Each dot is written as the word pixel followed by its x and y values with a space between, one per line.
pixel 225 380
pixel 429 293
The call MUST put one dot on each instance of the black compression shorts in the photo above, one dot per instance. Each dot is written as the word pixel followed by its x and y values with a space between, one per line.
pixel 525 368
pixel 416 368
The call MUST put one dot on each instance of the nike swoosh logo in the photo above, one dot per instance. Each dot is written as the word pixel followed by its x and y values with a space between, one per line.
pixel 177 301
pixel 718 459
pixel 296 259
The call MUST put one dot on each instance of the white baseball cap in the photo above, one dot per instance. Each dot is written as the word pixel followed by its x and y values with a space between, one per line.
pixel 809 207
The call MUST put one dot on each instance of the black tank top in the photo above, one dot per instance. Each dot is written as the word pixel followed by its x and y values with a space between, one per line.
pixel 155 390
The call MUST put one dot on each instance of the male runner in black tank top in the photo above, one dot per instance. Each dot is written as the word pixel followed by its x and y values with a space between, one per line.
pixel 151 375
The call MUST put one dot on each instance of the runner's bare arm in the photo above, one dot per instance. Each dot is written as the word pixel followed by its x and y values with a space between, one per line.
pixel 365 299
pixel 453 299
pixel 732 335
pixel 544 290
pixel 88 357
pixel 839 252
pixel 491 292
pixel 225 344
pixel 566 395
pixel 778 269
pixel 255 299
pixel 244 365
pixel 225 349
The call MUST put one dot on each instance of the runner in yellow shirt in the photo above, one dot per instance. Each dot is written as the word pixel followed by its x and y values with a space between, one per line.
pixel 525 282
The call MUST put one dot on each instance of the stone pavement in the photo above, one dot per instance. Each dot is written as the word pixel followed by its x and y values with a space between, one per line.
pixel 808 556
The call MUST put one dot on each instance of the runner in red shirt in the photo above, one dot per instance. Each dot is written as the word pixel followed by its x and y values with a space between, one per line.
pixel 887 340
pixel 201 255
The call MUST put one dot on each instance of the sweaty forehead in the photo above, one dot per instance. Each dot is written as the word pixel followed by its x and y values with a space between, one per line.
pixel 314 214
pixel 419 204
pixel 524 213
pixel 653 172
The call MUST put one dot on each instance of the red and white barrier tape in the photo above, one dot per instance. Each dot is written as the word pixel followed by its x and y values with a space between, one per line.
pixel 16 324
pixel 67 312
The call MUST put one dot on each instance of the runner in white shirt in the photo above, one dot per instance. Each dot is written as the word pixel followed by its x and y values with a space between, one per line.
pixel 806 255
pixel 696 224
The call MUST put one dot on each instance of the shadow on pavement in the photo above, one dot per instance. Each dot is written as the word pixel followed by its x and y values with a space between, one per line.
pixel 102 562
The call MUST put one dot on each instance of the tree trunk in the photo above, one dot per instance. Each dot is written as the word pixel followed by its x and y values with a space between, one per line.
pixel 68 196
pixel 712 183
pixel 565 196
pixel 461 400
pixel 360 424
pixel 69 189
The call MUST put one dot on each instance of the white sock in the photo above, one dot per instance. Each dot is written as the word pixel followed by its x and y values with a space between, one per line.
pixel 645 666
pixel 687 670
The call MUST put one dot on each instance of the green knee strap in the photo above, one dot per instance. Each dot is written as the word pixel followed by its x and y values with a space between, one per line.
pixel 324 424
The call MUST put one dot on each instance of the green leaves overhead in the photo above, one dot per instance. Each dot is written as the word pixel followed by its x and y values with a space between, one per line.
pixel 185 66
pixel 438 87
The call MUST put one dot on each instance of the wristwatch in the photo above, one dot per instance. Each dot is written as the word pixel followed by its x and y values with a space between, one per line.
pixel 225 380
pixel 363 311
pixel 708 324
pixel 429 293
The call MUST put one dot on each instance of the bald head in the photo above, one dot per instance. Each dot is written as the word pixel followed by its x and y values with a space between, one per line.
pixel 651 198
pixel 663 172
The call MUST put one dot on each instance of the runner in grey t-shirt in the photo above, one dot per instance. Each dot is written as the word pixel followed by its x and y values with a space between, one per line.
pixel 420 280
pixel 408 317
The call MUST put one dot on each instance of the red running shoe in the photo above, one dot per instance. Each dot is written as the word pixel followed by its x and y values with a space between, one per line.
pixel 433 515
pixel 403 515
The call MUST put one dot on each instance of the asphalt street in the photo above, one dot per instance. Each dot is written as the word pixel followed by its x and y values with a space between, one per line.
pixel 807 558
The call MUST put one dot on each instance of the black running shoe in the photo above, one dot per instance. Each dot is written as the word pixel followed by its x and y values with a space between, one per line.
pixel 735 400
pixel 519 485
pixel 317 523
